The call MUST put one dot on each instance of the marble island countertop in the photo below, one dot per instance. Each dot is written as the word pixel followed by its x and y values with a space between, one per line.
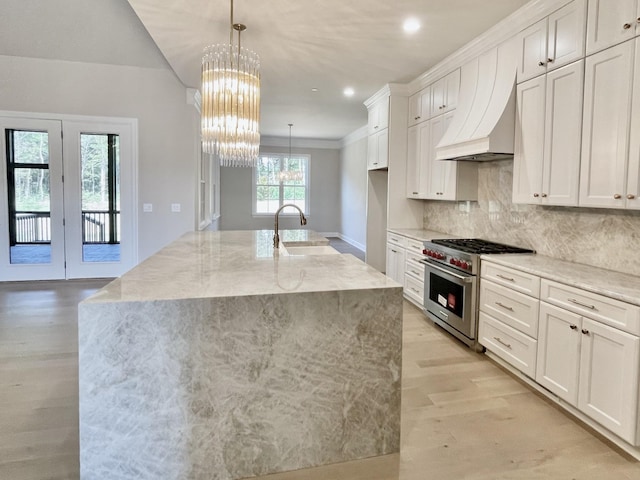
pixel 620 286
pixel 239 263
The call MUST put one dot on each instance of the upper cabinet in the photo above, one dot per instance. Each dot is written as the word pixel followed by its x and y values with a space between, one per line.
pixel 611 127
pixel 378 129
pixel 611 22
pixel 444 93
pixel 419 106
pixel 378 118
pixel 553 42
pixel 548 136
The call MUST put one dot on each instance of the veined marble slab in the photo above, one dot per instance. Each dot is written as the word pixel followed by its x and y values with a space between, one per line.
pixel 420 234
pixel 205 384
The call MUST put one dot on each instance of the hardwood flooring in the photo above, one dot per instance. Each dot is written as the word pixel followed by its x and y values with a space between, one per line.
pixel 463 417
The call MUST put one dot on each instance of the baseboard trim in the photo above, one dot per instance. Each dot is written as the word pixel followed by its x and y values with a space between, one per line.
pixel 352 242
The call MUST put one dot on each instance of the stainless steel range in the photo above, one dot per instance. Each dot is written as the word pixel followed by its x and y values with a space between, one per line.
pixel 451 285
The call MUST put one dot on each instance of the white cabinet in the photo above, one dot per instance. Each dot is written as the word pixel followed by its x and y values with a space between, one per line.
pixel 609 166
pixel 418 143
pixel 611 22
pixel 419 106
pixel 553 42
pixel 444 94
pixel 378 150
pixel 378 116
pixel 395 263
pixel 548 137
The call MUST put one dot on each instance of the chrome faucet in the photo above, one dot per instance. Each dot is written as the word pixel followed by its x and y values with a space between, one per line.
pixel 276 236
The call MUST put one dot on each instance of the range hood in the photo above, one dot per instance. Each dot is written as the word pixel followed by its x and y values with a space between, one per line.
pixel 482 127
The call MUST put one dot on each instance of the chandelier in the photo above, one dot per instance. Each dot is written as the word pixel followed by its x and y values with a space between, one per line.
pixel 231 101
pixel 286 175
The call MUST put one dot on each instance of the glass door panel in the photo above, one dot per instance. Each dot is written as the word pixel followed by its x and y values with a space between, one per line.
pixel 31 203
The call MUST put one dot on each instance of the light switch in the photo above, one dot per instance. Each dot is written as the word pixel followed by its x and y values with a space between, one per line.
pixel 175 207
pixel 147 207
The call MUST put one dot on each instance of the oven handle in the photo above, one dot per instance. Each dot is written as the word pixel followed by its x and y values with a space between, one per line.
pixel 462 278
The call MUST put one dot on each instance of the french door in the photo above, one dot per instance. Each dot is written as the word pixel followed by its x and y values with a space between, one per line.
pixel 67 198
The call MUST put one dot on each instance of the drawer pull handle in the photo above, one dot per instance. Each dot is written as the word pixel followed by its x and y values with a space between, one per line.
pixel 585 331
pixel 497 339
pixel 573 327
pixel 415 193
pixel 394 251
pixel 505 278
pixel 417 291
pixel 504 306
pixel 574 301
pixel 415 273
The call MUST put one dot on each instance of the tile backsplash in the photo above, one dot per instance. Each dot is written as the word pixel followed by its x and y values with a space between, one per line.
pixel 603 238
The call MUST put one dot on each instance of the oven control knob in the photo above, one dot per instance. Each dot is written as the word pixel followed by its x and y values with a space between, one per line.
pixel 424 251
pixel 464 265
pixel 440 256
pixel 452 261
pixel 458 263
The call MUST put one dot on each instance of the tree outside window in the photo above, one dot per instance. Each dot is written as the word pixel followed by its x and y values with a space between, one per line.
pixel 280 180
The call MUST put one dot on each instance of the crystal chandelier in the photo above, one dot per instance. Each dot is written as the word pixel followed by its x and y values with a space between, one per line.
pixel 289 175
pixel 231 102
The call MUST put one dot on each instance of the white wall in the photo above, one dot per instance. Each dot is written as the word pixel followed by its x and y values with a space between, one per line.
pixel 353 188
pixel 167 127
pixel 236 194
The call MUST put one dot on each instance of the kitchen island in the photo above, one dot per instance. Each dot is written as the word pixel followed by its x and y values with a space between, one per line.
pixel 222 358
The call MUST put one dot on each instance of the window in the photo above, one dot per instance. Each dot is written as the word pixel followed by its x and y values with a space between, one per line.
pixel 280 180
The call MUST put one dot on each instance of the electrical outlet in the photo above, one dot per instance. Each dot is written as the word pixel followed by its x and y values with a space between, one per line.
pixel 147 207
pixel 175 207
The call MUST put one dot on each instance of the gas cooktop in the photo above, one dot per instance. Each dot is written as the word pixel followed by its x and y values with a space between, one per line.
pixel 478 246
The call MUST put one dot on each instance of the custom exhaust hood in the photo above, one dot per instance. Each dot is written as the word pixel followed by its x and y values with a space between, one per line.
pixel 482 127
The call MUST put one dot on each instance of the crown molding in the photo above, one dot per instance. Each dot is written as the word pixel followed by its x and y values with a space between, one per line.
pixel 359 134
pixel 504 30
pixel 395 89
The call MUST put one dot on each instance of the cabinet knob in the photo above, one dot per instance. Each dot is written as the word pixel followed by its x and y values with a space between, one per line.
pixel 541 63
pixel 626 26
pixel 585 331
pixel 536 195
pixel 415 193
pixel 617 196
pixel 544 195
pixel 550 60
pixel 573 327
pixel 375 127
pixel 631 196
pixel 417 118
pixel 444 106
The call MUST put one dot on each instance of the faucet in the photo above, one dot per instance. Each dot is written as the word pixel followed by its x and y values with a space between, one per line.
pixel 276 236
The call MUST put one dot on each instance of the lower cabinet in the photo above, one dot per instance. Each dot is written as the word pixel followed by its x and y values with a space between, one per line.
pixel 585 348
pixel 403 265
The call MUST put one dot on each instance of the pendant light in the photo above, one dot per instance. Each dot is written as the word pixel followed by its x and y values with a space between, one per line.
pixel 287 175
pixel 231 101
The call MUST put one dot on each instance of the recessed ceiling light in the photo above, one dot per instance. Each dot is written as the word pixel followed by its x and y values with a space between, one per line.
pixel 411 25
pixel 314 89
pixel 348 92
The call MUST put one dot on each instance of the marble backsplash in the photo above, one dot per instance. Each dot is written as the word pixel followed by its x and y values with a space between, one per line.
pixel 603 238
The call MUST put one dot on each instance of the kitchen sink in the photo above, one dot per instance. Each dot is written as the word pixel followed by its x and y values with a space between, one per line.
pixel 308 250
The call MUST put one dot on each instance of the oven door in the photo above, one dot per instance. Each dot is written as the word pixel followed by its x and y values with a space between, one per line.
pixel 449 299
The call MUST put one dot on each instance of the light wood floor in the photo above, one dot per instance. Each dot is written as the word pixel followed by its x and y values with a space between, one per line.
pixel 462 416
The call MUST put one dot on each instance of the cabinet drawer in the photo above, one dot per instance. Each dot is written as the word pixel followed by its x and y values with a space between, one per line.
pixel 414 268
pixel 414 246
pixel 609 311
pixel 414 289
pixel 516 280
pixel 396 239
pixel 515 309
pixel 515 348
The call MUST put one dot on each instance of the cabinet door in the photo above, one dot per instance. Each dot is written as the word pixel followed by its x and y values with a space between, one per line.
pixel 419 105
pixel 378 116
pixel 566 34
pixel 451 90
pixel 533 51
pixel 449 171
pixel 395 263
pixel 563 133
pixel 633 176
pixel 606 118
pixel 372 152
pixel 413 163
pixel 607 23
pixel 609 378
pixel 437 97
pixel 378 150
pixel 529 141
pixel 424 135
pixel 438 169
pixel 559 339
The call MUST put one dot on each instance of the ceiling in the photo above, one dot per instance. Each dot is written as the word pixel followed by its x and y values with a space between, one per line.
pixel 326 44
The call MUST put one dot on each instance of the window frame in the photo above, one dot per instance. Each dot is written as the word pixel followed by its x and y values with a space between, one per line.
pixel 281 185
